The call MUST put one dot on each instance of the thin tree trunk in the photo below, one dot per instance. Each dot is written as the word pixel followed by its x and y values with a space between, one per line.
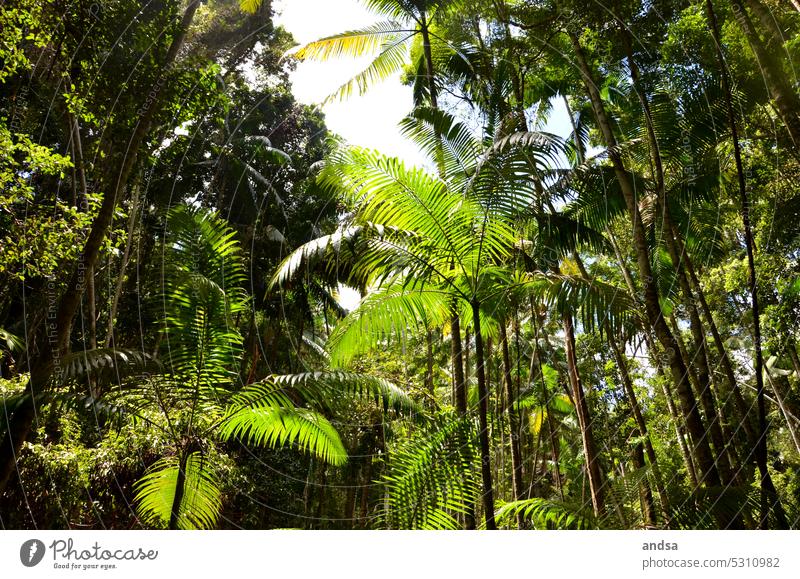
pixel 703 375
pixel 180 489
pixel 769 496
pixel 593 468
pixel 426 48
pixel 460 391
pixel 457 360
pixel 769 22
pixel 429 363
pixel 727 366
pixel 645 493
pixel 641 425
pixel 786 100
pixel 552 436
pixel 518 484
pixel 780 399
pixel 126 256
pixel 655 360
pixel 483 410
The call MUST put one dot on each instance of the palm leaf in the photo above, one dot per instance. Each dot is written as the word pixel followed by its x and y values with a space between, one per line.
pixel 431 477
pixel 277 426
pixel 547 514
pixel 200 504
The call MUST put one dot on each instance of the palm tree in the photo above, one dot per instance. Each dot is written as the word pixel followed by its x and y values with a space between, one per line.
pixel 430 242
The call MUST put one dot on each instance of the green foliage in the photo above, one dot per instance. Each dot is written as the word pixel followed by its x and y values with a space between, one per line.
pixel 547 514
pixel 200 504
pixel 432 477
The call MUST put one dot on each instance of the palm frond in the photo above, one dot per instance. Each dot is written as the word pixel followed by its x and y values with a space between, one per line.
pixel 431 478
pixel 547 514
pixel 105 365
pixel 383 313
pixel 277 426
pixel 319 387
pixel 200 504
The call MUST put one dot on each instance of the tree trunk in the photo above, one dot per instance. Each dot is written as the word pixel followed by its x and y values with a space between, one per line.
pixel 429 363
pixel 727 367
pixel 645 493
pixel 678 370
pixel 536 373
pixel 460 389
pixel 518 484
pixel 781 400
pixel 593 468
pixel 457 360
pixel 429 70
pixel 126 256
pixel 769 22
pixel 180 489
pixel 641 425
pixel 786 100
pixel 655 360
pixel 483 410
pixel 703 375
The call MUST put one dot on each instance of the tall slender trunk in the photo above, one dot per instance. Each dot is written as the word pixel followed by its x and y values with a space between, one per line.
pixel 703 375
pixel 781 400
pixel 641 425
pixel 126 257
pixel 483 411
pixel 43 365
pixel 645 492
pixel 769 22
pixel 655 360
pixel 429 363
pixel 742 406
pixel 537 374
pixel 593 468
pixel 518 485
pixel 678 370
pixel 769 497
pixel 579 399
pixel 460 390
pixel 700 367
pixel 429 70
